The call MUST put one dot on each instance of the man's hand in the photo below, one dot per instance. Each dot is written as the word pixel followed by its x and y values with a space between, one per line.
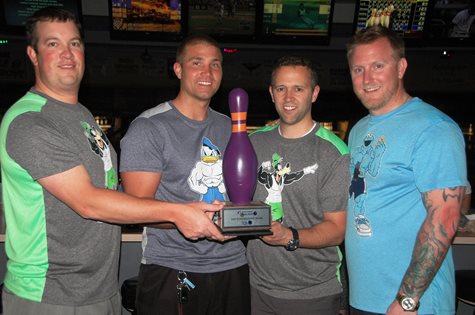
pixel 195 223
pixel 280 235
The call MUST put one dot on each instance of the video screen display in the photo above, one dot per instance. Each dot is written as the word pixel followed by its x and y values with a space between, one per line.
pixel 407 17
pixel 223 19
pixel 13 13
pixel 452 22
pixel 138 19
pixel 298 19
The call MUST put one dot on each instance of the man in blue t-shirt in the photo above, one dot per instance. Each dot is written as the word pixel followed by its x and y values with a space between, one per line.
pixel 408 180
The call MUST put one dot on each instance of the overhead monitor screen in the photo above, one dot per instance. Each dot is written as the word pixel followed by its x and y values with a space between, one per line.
pixel 294 19
pixel 223 19
pixel 145 19
pixel 13 13
pixel 453 22
pixel 407 17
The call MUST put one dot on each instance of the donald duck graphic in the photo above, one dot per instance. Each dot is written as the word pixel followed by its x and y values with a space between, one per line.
pixel 206 177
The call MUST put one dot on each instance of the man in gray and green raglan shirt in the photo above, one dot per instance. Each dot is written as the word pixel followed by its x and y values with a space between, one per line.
pixel 304 175
pixel 42 136
pixel 44 237
pixel 59 177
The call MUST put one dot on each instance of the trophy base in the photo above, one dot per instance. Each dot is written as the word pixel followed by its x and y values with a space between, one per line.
pixel 250 219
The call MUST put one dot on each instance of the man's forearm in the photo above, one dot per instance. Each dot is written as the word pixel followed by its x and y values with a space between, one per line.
pixel 433 240
pixel 330 232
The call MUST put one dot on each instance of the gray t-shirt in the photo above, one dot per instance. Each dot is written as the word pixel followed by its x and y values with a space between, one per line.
pixel 55 255
pixel 188 155
pixel 307 176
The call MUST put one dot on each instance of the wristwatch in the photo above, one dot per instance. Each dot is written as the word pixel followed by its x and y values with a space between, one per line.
pixel 407 303
pixel 293 244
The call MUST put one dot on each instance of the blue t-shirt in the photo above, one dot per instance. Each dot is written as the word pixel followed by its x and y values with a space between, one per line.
pixel 394 158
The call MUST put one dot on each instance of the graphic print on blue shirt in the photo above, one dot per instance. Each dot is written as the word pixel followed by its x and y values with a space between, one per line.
pixel 206 177
pixel 366 161
pixel 274 175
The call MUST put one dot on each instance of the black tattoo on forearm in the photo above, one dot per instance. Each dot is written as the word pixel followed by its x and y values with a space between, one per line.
pixel 453 192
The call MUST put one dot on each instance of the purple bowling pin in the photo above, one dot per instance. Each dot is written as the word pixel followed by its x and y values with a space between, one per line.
pixel 240 160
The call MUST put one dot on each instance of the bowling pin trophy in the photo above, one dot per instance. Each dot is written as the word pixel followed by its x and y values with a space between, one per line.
pixel 241 216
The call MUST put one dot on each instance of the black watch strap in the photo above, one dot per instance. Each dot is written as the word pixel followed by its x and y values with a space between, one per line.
pixel 293 244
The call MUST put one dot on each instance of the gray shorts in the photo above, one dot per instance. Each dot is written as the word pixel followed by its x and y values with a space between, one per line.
pixel 14 305
pixel 263 304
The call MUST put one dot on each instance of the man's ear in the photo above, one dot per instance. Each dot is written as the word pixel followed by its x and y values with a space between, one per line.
pixel 30 51
pixel 271 95
pixel 316 90
pixel 177 69
pixel 401 68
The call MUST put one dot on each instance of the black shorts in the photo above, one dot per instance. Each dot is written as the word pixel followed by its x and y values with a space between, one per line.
pixel 220 293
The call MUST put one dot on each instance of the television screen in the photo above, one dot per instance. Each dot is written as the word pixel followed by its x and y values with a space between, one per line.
pixel 452 22
pixel 297 21
pixel 406 17
pixel 146 19
pixel 13 13
pixel 224 19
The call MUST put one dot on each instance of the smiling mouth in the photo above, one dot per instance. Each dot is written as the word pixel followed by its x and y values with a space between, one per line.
pixel 205 83
pixel 67 66
pixel 289 106
pixel 371 88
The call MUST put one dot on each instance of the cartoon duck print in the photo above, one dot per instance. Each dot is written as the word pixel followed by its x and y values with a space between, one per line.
pixel 274 175
pixel 100 146
pixel 206 177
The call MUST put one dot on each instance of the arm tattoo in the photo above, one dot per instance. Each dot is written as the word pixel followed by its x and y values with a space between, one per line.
pixel 453 193
pixel 433 240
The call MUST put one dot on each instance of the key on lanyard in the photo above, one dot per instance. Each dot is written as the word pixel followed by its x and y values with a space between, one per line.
pixel 183 287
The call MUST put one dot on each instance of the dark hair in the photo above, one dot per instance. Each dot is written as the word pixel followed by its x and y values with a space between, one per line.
pixel 371 34
pixel 48 14
pixel 295 61
pixel 195 39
